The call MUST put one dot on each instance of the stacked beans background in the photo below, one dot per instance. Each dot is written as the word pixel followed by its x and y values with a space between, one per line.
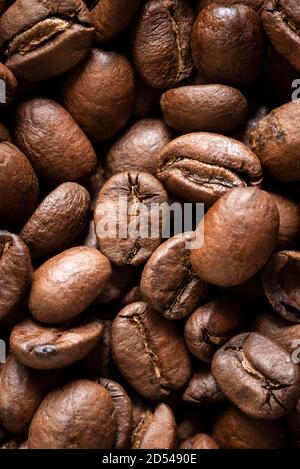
pixel 142 342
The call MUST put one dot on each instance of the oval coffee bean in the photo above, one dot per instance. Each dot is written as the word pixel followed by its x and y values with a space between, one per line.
pixel 137 149
pixel 235 54
pixel 65 285
pixel 256 5
pixel 281 20
pixel 161 42
pixel 18 186
pixel 123 411
pixel 57 148
pixel 57 221
pixel 201 167
pixel 213 324
pixel 257 375
pixel 15 271
pixel 168 283
pixel 101 114
pixel 289 222
pixel 118 283
pixel 111 17
pixel 45 39
pixel 279 330
pixel 78 416
pixel 199 441
pixel 155 430
pixel 235 430
pixel 149 352
pixel 203 389
pixel 125 207
pixel 240 232
pixel 281 283
pixel 276 139
pixel 46 348
pixel 210 108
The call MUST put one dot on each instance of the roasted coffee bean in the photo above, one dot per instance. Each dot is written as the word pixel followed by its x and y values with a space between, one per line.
pixel 18 186
pixel 235 54
pixel 111 17
pixel 88 236
pixel 22 391
pixel 79 415
pixel 117 284
pixel 161 42
pixel 235 430
pixel 203 389
pixel 5 135
pixel 130 200
pixel 146 102
pixel 199 441
pixel 257 375
pixel 282 284
pixel 289 222
pixel 44 39
pixel 10 81
pixel 15 271
pixel 168 283
pixel 57 221
pixel 201 167
pixel 155 429
pixel 149 352
pixel 240 234
pixel 210 108
pixel 138 148
pixel 281 20
pixel 213 324
pixel 242 133
pixel 57 148
pixel 280 331
pixel 133 295
pixel 65 285
pixel 275 140
pixel 99 109
pixel 257 5
pixel 123 411
pixel 45 347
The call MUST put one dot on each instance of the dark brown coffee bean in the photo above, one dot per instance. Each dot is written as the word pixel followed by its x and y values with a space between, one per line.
pixel 10 85
pixel 210 108
pixel 161 42
pixel 201 167
pixel 242 133
pixel 129 200
pixel 15 271
pixel 190 424
pixel 235 54
pixel 138 148
pixel 79 415
pixel 213 324
pixel 133 295
pixel 57 148
pixel 88 236
pixel 289 222
pixel 203 389
pixel 199 441
pixel 155 429
pixel 117 284
pixel 22 391
pixel 280 331
pixel 169 284
pixel 123 411
pixel 146 100
pixel 57 221
pixel 240 234
pixel 275 140
pixel 149 352
pixel 65 285
pixel 281 282
pixel 101 111
pixel 5 135
pixel 44 39
pixel 256 5
pixel 111 17
pixel 235 430
pixel 46 348
pixel 257 375
pixel 281 20
pixel 18 186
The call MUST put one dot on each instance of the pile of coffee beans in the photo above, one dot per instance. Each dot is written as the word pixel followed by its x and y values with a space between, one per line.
pixel 115 331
